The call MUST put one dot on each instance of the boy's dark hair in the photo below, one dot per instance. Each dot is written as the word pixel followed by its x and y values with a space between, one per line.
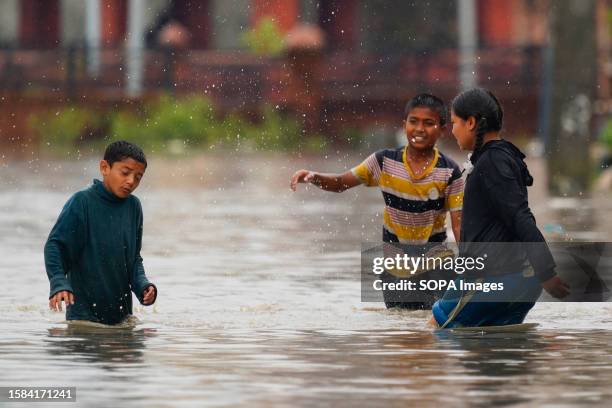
pixel 432 102
pixel 485 108
pixel 121 150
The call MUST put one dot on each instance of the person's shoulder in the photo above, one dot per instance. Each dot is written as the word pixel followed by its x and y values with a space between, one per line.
pixel 76 205
pixel 380 155
pixel 449 166
pixel 508 161
pixel 135 202
pixel 497 157
pixel 136 206
pixel 498 163
pixel 396 154
pixel 78 199
pixel 134 199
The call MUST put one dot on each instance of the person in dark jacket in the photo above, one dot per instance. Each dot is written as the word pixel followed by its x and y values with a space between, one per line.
pixel 497 224
pixel 92 255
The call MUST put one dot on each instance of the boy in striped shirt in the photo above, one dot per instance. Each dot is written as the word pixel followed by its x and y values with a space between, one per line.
pixel 419 184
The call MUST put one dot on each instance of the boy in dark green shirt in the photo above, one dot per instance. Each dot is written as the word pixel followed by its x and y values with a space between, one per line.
pixel 92 255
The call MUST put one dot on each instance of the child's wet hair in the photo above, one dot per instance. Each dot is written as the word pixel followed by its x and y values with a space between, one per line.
pixel 432 102
pixel 121 150
pixel 485 108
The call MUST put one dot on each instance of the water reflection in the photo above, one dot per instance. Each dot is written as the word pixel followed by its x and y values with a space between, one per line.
pixel 108 348
pixel 495 354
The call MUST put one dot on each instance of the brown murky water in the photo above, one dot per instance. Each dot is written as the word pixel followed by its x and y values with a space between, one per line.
pixel 259 304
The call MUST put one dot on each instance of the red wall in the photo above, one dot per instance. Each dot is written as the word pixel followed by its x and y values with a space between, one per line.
pixel 495 22
pixel 114 21
pixel 39 27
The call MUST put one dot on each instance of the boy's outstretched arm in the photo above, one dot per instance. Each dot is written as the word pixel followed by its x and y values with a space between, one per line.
pixel 328 182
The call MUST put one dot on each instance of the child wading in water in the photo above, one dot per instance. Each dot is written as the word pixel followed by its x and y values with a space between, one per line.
pixel 496 210
pixel 92 255
pixel 419 184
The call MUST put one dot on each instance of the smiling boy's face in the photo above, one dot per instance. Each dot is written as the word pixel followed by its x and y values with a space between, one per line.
pixel 423 128
pixel 123 177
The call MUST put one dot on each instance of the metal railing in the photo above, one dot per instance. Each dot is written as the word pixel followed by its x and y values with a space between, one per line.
pixel 239 77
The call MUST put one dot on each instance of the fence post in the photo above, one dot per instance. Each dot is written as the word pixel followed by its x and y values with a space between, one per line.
pixel 71 71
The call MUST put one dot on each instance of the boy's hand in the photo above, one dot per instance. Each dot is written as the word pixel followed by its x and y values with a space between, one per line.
pixel 148 295
pixel 556 287
pixel 55 301
pixel 301 176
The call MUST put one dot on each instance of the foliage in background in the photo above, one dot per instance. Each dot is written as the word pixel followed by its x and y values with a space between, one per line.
pixel 68 127
pixel 168 123
pixel 265 39
pixel 606 135
pixel 176 126
pixel 271 130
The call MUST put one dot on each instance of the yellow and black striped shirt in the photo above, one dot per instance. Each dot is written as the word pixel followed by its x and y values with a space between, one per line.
pixel 415 207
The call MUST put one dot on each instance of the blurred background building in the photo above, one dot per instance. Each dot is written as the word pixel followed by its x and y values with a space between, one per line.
pixel 351 62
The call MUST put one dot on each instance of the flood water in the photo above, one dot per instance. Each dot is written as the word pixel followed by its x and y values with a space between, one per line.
pixel 259 305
